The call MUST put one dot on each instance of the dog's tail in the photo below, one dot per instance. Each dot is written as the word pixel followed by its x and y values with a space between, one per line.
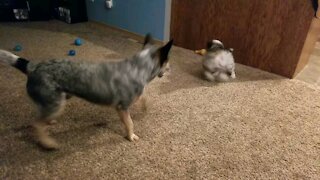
pixel 14 60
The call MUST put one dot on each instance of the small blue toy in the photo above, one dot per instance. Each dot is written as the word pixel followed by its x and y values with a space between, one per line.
pixel 17 48
pixel 78 42
pixel 72 53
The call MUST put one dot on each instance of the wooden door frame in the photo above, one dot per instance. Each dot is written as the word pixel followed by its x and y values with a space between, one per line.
pixel 294 53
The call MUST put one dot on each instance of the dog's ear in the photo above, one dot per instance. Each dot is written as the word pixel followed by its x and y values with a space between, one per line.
pixel 215 44
pixel 164 52
pixel 148 40
pixel 209 44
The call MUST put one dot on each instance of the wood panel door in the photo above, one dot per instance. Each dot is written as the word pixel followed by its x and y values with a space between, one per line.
pixel 266 34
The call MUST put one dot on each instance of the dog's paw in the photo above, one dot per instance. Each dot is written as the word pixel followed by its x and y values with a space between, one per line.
pixel 133 137
pixel 52 122
pixel 208 76
pixel 233 75
pixel 48 143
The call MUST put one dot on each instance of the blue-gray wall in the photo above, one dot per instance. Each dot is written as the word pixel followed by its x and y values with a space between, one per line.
pixel 137 16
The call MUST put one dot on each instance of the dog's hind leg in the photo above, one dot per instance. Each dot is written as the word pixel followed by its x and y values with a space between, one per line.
pixel 127 121
pixel 66 97
pixel 42 135
pixel 50 104
pixel 48 113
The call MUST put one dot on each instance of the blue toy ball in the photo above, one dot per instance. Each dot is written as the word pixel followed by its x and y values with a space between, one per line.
pixel 78 42
pixel 17 48
pixel 72 52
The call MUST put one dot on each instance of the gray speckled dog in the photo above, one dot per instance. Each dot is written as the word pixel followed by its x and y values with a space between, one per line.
pixel 118 84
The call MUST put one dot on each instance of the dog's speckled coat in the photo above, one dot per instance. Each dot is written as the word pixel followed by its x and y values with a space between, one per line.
pixel 118 84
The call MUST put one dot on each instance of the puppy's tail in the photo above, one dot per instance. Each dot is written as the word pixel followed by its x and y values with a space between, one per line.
pixel 14 60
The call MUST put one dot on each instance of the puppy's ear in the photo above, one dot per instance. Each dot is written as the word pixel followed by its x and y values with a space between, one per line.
pixel 148 40
pixel 215 44
pixel 209 44
pixel 164 52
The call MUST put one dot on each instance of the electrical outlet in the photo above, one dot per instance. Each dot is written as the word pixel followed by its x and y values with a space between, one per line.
pixel 109 4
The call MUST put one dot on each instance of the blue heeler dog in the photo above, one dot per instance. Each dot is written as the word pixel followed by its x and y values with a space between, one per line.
pixel 117 84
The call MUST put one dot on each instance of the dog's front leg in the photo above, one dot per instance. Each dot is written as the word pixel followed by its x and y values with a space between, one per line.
pixel 233 75
pixel 210 76
pixel 143 102
pixel 127 121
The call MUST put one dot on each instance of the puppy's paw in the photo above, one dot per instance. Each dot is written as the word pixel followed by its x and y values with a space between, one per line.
pixel 233 75
pixel 209 76
pixel 133 137
pixel 222 77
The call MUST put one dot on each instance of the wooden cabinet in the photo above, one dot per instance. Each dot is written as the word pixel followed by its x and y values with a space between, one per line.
pixel 269 35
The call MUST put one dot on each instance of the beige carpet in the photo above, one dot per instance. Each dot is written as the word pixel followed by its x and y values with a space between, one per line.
pixel 260 126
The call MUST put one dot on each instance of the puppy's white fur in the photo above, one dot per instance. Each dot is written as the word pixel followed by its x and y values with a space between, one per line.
pixel 219 63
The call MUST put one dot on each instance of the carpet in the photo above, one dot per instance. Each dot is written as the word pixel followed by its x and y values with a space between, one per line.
pixel 260 126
